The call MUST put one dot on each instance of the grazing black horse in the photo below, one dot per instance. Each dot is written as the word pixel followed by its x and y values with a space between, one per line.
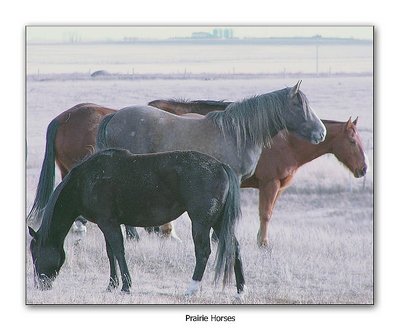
pixel 115 187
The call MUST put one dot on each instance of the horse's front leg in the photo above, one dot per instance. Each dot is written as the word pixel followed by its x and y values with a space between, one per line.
pixel 113 234
pixel 114 282
pixel 267 197
pixel 201 238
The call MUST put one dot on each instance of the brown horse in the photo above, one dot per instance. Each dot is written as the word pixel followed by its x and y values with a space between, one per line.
pixel 181 107
pixel 278 165
pixel 274 171
pixel 70 137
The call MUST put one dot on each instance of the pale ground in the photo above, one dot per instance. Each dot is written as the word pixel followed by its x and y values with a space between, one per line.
pixel 322 230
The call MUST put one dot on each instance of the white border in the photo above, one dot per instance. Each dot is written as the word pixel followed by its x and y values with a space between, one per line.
pixel 16 314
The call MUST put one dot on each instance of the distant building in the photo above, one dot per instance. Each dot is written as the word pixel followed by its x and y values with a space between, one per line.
pixel 228 33
pixel 217 33
pixel 201 35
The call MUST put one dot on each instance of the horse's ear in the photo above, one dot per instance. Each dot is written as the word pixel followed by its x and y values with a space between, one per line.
pixel 355 121
pixel 348 124
pixel 295 89
pixel 32 233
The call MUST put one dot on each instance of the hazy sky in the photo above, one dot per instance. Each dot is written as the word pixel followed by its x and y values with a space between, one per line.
pixel 91 33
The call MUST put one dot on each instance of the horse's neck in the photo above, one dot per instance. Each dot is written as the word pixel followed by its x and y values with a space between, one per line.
pixel 306 152
pixel 58 229
pixel 248 159
pixel 249 141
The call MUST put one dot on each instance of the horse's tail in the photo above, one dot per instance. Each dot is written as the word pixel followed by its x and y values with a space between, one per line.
pixel 63 203
pixel 101 138
pixel 225 257
pixel 47 174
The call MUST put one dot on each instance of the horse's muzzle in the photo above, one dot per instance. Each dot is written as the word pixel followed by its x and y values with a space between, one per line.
pixel 318 136
pixel 361 172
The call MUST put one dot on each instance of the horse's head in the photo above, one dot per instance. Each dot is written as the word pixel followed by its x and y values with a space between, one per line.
pixel 47 261
pixel 348 148
pixel 300 118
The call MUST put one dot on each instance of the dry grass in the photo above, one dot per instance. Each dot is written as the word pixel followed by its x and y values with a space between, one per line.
pixel 317 255
pixel 321 235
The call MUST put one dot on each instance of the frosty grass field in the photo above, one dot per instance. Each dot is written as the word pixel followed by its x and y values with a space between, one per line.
pixel 321 235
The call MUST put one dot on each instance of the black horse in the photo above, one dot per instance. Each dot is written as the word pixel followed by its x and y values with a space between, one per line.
pixel 115 187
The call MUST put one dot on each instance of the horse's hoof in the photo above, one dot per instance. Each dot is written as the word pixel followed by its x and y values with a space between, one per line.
pixel 263 243
pixel 78 227
pixel 193 289
pixel 112 286
pixel 240 296
pixel 125 291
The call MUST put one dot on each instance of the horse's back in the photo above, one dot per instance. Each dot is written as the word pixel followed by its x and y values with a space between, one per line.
pixel 145 129
pixel 76 134
pixel 83 111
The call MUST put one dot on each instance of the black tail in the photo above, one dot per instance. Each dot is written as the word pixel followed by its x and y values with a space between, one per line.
pixel 226 246
pixel 47 174
pixel 63 205
pixel 101 139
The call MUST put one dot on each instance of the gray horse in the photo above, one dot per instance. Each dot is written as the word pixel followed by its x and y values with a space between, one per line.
pixel 235 136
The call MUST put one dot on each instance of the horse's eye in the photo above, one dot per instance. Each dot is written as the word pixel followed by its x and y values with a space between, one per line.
pixel 353 142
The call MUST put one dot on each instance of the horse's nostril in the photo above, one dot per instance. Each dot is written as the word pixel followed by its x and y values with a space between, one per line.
pixel 361 172
pixel 319 136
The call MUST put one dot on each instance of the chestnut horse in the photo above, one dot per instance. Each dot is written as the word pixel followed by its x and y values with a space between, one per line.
pixel 279 163
pixel 70 138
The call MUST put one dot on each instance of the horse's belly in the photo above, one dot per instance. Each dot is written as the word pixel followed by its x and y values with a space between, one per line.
pixel 156 215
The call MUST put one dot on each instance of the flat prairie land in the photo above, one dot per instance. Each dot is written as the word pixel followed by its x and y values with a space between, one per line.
pixel 321 235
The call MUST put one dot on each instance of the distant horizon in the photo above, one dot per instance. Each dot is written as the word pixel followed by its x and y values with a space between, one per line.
pixel 295 40
pixel 119 33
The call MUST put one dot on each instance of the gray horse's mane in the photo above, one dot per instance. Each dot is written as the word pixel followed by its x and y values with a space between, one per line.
pixel 253 119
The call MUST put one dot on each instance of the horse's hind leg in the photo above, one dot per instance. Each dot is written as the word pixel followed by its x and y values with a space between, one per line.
pixel 201 238
pixel 152 229
pixel 113 234
pixel 131 233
